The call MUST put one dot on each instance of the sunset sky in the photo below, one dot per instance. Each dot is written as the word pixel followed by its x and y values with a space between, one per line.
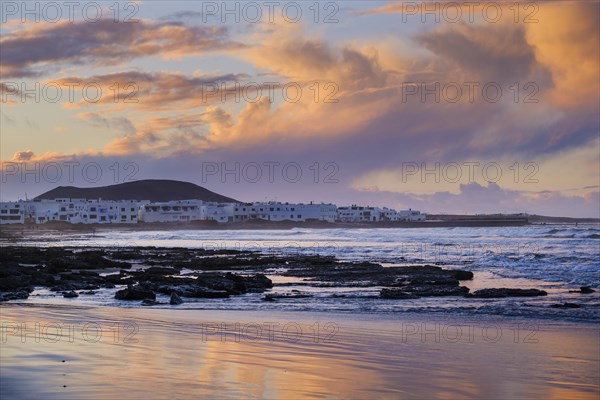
pixel 372 101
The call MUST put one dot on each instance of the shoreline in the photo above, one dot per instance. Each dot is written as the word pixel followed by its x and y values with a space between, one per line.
pixel 268 225
pixel 16 230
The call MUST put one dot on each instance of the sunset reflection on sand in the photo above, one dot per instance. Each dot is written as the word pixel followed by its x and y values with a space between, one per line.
pixel 175 354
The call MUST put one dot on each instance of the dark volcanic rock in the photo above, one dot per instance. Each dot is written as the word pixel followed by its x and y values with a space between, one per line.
pixel 211 285
pixel 85 260
pixel 119 279
pixel 64 270
pixel 14 282
pixel 14 276
pixel 160 271
pixel 18 295
pixel 135 293
pixel 430 275
pixel 97 260
pixel 180 290
pixel 329 272
pixel 583 290
pixel 193 290
pixel 396 294
pixel 70 295
pixel 81 276
pixel 436 290
pixel 504 292
pixel 175 299
pixel 67 287
pixel 9 268
pixel 256 284
pixel 294 295
pixel 463 275
pixel 150 302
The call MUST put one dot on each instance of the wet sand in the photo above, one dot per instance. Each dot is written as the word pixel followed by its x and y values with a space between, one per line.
pixel 55 352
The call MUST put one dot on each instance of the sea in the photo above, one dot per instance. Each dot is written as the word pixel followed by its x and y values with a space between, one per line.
pixel 557 258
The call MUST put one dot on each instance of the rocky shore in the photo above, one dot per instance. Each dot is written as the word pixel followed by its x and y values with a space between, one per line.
pixel 140 273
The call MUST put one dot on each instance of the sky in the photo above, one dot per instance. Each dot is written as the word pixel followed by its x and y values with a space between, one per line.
pixel 439 106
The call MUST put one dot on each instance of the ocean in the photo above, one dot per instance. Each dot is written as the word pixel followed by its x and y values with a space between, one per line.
pixel 555 258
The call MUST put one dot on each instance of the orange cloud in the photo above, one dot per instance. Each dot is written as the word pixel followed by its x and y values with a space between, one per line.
pixel 567 41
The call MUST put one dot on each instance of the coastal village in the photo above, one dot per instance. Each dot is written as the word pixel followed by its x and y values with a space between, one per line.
pixel 98 211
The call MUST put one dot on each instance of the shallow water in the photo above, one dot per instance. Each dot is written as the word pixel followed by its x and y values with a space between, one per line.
pixel 560 253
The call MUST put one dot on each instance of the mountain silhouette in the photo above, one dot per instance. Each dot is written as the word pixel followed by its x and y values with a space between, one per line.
pixel 149 189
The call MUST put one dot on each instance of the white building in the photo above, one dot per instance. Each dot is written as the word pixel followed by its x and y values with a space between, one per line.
pixel 84 211
pixel 129 211
pixel 388 214
pixel 411 215
pixel 220 212
pixel 81 211
pixel 42 211
pixel 320 212
pixel 173 211
pixel 104 212
pixel 273 211
pixel 12 213
pixel 356 213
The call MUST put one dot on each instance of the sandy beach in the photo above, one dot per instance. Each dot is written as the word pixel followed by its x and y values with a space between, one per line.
pixel 56 352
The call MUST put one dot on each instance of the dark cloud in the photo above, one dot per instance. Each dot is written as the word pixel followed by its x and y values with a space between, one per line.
pixel 23 155
pixel 183 15
pixel 119 124
pixel 493 52
pixel 29 52
pixel 160 90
